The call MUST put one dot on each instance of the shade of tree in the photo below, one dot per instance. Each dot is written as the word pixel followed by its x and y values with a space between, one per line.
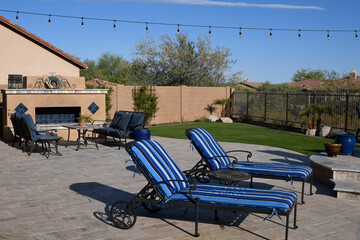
pixel 306 73
pixel 181 61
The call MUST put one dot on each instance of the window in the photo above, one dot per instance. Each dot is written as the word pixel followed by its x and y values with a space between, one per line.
pixel 15 81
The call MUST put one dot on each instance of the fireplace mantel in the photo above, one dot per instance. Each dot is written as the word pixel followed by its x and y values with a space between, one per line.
pixel 53 91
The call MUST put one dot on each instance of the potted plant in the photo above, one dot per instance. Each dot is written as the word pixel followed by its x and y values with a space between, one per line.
pixel 85 119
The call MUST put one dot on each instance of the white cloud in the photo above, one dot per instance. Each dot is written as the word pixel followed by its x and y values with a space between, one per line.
pixel 220 3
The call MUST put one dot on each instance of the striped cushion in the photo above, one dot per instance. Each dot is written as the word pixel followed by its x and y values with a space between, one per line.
pixel 281 170
pixel 223 195
pixel 208 147
pixel 158 166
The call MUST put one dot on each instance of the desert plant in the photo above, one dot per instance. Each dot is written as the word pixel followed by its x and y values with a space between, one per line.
pixel 315 110
pixel 145 101
pixel 222 102
pixel 210 108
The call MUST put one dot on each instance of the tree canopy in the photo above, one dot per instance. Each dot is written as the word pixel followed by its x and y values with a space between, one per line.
pixel 181 61
pixel 306 73
pixel 109 66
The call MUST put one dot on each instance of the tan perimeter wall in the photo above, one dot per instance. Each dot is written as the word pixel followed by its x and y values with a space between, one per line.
pixel 176 104
pixel 19 55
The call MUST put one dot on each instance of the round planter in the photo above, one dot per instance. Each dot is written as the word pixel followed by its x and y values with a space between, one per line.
pixel 142 134
pixel 348 142
pixel 332 149
pixel 82 122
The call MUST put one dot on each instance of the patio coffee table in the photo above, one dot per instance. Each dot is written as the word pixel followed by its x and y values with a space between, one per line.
pixel 82 130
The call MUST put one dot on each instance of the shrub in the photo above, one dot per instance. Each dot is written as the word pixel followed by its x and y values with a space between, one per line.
pixel 145 101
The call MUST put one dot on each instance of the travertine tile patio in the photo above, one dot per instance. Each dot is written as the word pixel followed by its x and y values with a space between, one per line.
pixel 68 198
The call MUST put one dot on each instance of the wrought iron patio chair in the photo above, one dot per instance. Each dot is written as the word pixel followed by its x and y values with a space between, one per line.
pixel 215 158
pixel 168 185
pixel 32 135
pixel 15 120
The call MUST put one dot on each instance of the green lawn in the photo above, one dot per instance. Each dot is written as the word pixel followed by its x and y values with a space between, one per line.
pixel 248 134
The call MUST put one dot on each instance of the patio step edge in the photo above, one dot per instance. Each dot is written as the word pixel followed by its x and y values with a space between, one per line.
pixel 347 189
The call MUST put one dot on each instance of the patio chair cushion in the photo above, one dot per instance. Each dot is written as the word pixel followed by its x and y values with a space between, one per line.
pixel 159 167
pixel 117 116
pixel 281 170
pixel 210 149
pixel 239 197
pixel 124 121
pixel 136 121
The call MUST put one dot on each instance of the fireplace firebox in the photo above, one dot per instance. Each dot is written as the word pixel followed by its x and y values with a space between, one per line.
pixel 56 115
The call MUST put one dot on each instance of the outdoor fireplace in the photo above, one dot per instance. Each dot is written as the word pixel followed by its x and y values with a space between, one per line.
pixel 56 115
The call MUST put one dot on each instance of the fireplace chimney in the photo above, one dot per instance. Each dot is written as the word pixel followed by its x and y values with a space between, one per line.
pixel 353 74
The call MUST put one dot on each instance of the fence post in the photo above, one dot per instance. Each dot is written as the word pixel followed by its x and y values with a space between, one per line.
pixel 287 109
pixel 265 107
pixel 247 104
pixel 346 111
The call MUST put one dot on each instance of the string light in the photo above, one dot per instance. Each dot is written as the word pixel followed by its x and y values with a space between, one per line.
pixel 147 28
pixel 114 25
pixel 178 30
pixel 185 25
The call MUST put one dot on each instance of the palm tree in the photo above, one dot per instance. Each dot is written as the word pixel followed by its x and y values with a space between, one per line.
pixel 222 102
pixel 210 108
pixel 315 110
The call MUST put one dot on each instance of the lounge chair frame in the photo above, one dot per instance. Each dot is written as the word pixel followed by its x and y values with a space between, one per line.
pixel 123 213
pixel 204 165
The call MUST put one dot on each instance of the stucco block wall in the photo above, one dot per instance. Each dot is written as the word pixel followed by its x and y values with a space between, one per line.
pixel 175 104
pixel 22 56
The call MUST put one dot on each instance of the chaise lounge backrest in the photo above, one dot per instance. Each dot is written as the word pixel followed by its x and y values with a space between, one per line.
pixel 157 166
pixel 208 147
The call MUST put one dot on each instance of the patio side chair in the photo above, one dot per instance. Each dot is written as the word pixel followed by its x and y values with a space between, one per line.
pixel 215 158
pixel 32 135
pixel 169 186
pixel 15 120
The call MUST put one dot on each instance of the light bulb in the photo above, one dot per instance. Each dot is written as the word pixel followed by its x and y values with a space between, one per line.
pixel 49 21
pixel 114 25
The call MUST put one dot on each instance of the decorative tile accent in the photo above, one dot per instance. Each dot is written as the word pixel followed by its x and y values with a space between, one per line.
pixel 21 108
pixel 93 108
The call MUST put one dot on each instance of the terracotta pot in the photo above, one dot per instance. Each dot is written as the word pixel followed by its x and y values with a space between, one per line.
pixel 82 122
pixel 332 149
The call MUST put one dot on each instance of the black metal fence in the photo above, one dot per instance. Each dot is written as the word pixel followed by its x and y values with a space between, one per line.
pixel 284 108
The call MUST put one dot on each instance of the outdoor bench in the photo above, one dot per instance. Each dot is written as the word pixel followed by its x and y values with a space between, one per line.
pixel 123 126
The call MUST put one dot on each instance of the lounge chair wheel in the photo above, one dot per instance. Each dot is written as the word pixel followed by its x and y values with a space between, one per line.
pixel 123 214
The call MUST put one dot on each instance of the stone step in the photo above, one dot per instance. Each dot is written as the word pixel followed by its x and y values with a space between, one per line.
pixel 347 189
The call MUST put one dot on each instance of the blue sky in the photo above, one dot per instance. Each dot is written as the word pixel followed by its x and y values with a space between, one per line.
pixel 259 57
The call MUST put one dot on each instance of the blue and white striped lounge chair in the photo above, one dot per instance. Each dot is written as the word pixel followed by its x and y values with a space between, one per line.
pixel 215 158
pixel 168 185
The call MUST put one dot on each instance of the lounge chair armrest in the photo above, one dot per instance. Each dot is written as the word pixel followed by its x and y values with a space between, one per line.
pixel 192 187
pixel 233 162
pixel 249 154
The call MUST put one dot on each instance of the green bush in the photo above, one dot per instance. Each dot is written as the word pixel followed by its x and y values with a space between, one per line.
pixel 202 119
pixel 145 101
